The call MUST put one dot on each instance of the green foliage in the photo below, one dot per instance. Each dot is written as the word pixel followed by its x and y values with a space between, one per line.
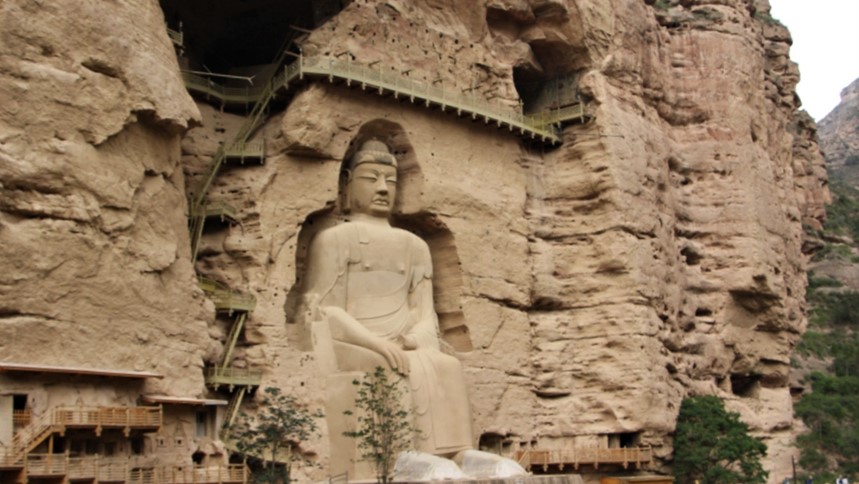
pixel 815 283
pixel 713 446
pixel 834 251
pixel 767 19
pixel 384 427
pixel 279 428
pixel 831 412
pixel 841 213
pixel 662 5
pixel 835 308
pixel 825 344
pixel 710 14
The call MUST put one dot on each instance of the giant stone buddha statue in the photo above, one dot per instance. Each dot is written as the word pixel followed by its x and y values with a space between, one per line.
pixel 371 304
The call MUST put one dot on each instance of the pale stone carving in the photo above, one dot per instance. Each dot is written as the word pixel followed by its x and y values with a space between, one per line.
pixel 371 302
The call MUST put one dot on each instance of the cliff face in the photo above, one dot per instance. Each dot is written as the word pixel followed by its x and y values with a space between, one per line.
pixel 655 254
pixel 95 267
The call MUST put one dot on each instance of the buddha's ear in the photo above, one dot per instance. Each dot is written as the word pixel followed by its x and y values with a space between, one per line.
pixel 345 181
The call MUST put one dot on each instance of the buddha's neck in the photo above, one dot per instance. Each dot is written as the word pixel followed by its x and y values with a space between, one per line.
pixel 368 219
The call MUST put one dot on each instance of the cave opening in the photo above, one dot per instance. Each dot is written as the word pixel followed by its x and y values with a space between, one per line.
pixel 539 92
pixel 745 386
pixel 224 37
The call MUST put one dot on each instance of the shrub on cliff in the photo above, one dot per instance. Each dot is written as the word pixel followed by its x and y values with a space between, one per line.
pixel 830 411
pixel 273 437
pixel 712 445
pixel 384 427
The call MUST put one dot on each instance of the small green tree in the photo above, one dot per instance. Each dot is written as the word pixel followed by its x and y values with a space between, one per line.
pixel 713 446
pixel 279 427
pixel 384 427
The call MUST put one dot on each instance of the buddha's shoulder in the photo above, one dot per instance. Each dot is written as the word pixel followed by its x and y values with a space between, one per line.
pixel 354 229
pixel 347 231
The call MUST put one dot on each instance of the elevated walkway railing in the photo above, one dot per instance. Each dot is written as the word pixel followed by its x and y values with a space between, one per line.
pixel 177 37
pixel 241 150
pixel 217 209
pixel 584 456
pixel 226 95
pixel 229 376
pixel 553 117
pixel 416 90
pixel 260 95
pixel 539 125
pixel 226 299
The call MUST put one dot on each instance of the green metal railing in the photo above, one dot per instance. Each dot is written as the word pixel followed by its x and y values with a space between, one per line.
pixel 222 210
pixel 541 125
pixel 226 299
pixel 177 37
pixel 232 411
pixel 229 376
pixel 420 91
pixel 232 339
pixel 226 95
pixel 242 150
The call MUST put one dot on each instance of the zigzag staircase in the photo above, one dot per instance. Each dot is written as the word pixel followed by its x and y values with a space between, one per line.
pixel 200 209
pixel 240 141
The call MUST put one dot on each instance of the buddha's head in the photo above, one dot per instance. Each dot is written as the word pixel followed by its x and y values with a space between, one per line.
pixel 369 180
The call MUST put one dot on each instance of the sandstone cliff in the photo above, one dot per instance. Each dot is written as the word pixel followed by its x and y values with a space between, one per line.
pixel 656 253
pixel 95 267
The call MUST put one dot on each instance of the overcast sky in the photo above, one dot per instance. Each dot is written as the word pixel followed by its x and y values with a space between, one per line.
pixel 826 47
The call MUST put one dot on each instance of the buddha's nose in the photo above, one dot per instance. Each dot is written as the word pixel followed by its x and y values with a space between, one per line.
pixel 381 186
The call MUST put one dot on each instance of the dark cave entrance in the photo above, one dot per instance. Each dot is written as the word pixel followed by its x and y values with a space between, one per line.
pixel 542 93
pixel 225 36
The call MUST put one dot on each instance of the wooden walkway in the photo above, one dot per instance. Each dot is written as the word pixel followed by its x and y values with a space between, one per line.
pixel 125 470
pixel 560 458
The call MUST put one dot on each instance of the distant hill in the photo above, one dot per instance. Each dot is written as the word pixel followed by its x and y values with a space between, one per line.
pixel 839 137
pixel 826 361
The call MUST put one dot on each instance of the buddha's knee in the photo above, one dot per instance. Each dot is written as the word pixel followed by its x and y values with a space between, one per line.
pixel 357 358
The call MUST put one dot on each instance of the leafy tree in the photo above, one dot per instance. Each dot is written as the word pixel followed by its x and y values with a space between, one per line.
pixel 713 446
pixel 832 416
pixel 384 427
pixel 280 427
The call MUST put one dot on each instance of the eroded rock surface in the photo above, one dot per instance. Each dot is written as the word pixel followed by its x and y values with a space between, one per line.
pixel 95 267
pixel 587 288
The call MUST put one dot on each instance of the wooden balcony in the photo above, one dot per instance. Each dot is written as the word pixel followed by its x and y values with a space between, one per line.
pixel 99 418
pixel 574 458
pixel 130 470
pixel 60 419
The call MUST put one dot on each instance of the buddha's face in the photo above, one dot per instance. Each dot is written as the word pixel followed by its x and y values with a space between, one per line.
pixel 372 189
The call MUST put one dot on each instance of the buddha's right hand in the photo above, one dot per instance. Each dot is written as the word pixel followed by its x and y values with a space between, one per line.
pixel 395 356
